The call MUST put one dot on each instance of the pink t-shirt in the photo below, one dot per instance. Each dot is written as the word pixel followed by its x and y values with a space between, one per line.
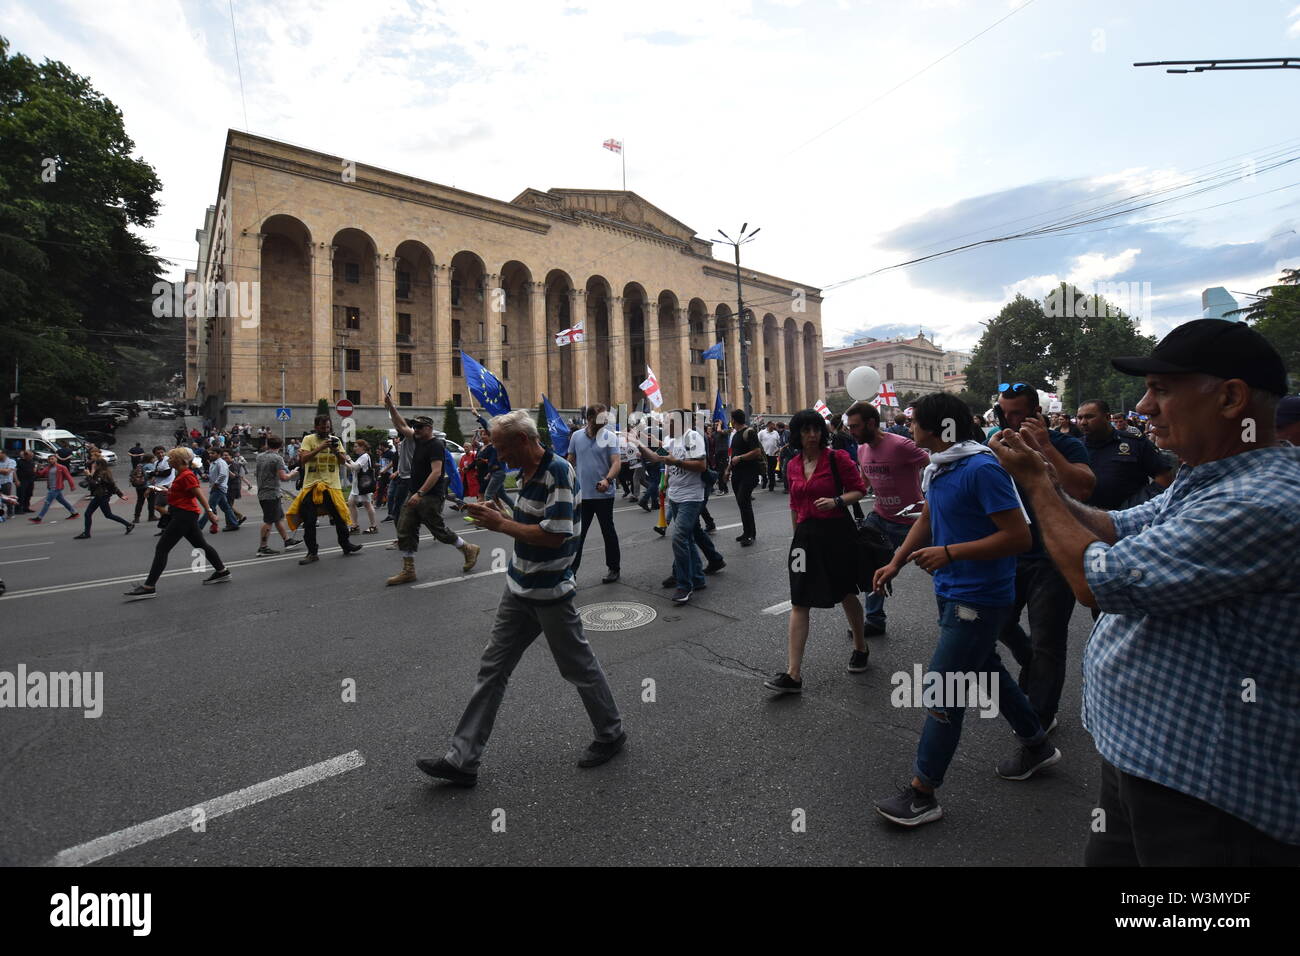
pixel 805 492
pixel 893 469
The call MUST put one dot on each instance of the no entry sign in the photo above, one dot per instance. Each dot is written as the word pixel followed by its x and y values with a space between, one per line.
pixel 344 407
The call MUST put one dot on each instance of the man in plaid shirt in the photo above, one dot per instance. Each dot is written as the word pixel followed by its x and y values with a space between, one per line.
pixel 1192 674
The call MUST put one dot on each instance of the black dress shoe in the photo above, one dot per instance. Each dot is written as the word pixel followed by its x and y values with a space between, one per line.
pixel 600 752
pixel 746 542
pixel 352 550
pixel 441 770
pixel 609 578
pixel 713 567
pixel 659 531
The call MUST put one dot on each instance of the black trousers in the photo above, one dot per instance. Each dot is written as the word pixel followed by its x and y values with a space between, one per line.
pixel 1146 824
pixel 142 500
pixel 100 502
pixel 769 474
pixel 743 484
pixel 25 489
pixel 182 524
pixel 307 512
pixel 1040 653
pixel 602 509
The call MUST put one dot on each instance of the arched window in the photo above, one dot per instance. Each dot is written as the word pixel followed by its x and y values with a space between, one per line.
pixel 839 376
pixel 827 375
pixel 889 370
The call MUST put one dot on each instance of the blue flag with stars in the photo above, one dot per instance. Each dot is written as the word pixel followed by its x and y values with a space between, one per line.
pixel 719 410
pixel 559 430
pixel 713 353
pixel 484 386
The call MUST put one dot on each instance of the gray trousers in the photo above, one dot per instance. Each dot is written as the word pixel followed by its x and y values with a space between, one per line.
pixel 517 625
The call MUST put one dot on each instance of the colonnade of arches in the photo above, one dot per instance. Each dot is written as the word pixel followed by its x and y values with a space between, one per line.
pixel 345 316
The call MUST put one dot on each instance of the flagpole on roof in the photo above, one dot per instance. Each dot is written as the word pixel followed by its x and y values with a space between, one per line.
pixel 623 153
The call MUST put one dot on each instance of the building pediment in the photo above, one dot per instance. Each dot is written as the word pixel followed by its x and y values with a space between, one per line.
pixel 619 205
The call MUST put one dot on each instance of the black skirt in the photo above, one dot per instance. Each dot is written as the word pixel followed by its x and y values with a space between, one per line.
pixel 823 562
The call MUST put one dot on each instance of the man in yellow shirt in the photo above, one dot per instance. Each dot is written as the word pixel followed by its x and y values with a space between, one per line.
pixel 321 457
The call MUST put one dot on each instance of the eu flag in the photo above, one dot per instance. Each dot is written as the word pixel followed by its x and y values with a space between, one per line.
pixel 483 385
pixel 559 431
pixel 454 484
pixel 719 410
pixel 713 353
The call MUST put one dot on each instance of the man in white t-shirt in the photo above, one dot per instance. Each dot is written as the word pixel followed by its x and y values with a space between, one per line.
pixel 686 460
pixel 770 439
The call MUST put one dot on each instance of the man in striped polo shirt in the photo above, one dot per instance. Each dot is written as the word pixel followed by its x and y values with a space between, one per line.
pixel 538 600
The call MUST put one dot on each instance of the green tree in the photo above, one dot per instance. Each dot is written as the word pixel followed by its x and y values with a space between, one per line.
pixel 1276 316
pixel 77 285
pixel 323 407
pixel 1019 340
pixel 451 423
pixel 543 426
pixel 1093 331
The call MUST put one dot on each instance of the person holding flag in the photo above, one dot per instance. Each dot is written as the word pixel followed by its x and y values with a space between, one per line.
pixel 428 490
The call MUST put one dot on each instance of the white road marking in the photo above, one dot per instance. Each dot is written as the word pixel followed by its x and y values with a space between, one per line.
pixel 38 544
pixel 463 577
pixel 142 833
pixel 778 608
pixel 26 560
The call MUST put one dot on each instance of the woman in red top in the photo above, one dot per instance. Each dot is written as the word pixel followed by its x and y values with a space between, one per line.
pixel 468 473
pixel 823 555
pixel 186 505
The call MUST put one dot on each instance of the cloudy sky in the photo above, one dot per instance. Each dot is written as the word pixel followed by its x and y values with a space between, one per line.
pixel 805 117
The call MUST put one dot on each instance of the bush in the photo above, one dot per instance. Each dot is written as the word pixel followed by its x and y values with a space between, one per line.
pixel 323 407
pixel 451 423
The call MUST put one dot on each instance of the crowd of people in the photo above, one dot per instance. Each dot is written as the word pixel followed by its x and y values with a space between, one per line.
pixel 1175 527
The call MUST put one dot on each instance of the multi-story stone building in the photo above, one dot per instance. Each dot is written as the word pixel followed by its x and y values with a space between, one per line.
pixel 364 275
pixel 912 365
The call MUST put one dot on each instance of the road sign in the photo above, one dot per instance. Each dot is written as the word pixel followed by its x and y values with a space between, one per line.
pixel 283 414
pixel 344 407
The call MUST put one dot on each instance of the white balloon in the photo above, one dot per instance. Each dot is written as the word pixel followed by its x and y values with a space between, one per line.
pixel 863 383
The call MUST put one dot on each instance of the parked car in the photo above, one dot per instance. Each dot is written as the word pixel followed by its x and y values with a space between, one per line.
pixel 159 411
pixel 102 439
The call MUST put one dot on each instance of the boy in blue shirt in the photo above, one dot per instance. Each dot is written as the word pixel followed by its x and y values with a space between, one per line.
pixel 967 537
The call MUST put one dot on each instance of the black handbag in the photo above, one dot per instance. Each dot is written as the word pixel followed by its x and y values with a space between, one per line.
pixel 874 550
pixel 365 481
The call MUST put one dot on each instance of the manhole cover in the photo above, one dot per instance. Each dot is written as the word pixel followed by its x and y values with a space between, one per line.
pixel 615 616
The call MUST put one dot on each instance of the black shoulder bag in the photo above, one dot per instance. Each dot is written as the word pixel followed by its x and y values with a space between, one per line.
pixel 873 549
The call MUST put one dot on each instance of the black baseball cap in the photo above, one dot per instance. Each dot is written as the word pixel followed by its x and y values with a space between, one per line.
pixel 419 421
pixel 1214 347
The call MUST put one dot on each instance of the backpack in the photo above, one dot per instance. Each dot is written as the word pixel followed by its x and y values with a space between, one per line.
pixel 137 476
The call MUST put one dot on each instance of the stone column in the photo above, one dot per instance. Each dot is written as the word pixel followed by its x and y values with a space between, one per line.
pixel 804 399
pixel 652 352
pixel 682 327
pixel 386 331
pixel 757 376
pixel 442 348
pixel 492 319
pixel 541 342
pixel 581 350
pixel 711 365
pixel 321 264
pixel 245 330
pixel 734 389
pixel 619 389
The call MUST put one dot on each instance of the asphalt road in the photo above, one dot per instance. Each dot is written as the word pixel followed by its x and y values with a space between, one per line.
pixel 212 690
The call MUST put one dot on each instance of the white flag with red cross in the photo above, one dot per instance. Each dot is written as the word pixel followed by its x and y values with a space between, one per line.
pixel 821 409
pixel 651 388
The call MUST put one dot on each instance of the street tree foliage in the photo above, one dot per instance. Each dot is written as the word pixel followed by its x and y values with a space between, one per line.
pixel 76 283
pixel 451 423
pixel 1276 316
pixel 1076 341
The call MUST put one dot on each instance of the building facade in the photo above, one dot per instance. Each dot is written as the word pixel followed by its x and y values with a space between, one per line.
pixel 339 277
pixel 912 365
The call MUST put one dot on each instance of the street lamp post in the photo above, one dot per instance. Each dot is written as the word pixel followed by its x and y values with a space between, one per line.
pixel 743 237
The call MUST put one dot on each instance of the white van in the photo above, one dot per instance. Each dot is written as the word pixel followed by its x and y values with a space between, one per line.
pixel 16 440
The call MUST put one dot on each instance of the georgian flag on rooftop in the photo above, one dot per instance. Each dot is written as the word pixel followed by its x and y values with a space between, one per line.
pixel 613 145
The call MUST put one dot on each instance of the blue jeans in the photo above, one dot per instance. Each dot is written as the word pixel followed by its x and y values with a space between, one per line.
pixel 968 639
pixel 651 495
pixel 398 490
pixel 53 495
pixel 219 502
pixel 496 488
pixel 874 604
pixel 684 517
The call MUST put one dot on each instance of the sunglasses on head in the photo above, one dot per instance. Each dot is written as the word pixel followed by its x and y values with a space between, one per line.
pixel 1016 388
